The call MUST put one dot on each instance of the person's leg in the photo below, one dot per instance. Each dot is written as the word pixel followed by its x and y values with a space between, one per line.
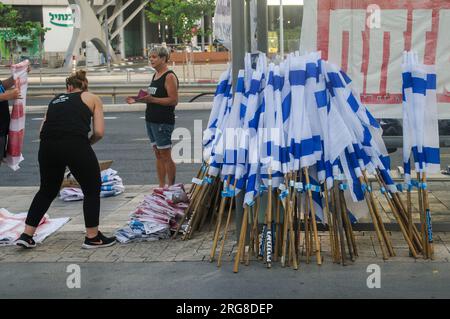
pixel 52 174
pixel 83 164
pixel 152 128
pixel 163 138
pixel 160 167
pixel 169 164
pixel 2 147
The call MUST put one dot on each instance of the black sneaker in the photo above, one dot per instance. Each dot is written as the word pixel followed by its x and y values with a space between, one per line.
pixel 99 241
pixel 25 241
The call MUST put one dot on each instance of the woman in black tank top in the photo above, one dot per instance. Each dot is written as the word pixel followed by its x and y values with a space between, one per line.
pixel 160 113
pixel 65 143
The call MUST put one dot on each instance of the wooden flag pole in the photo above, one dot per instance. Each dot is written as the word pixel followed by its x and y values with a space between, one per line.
pixel 285 227
pixel 376 225
pixel 330 222
pixel 307 231
pixel 338 217
pixel 269 222
pixel 422 220
pixel 412 229
pixel 219 223
pixel 291 225
pixel 313 218
pixel 277 229
pixel 394 210
pixel 349 225
pixel 242 239
pixel 427 213
pixel 346 225
pixel 219 260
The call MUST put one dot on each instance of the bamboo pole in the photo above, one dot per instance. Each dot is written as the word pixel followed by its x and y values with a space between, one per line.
pixel 219 223
pixel 330 222
pixel 285 229
pixel 291 228
pixel 397 216
pixel 427 213
pixel 249 247
pixel 269 222
pixel 277 229
pixel 242 239
pixel 422 220
pixel 349 225
pixel 412 229
pixel 219 260
pixel 340 226
pixel 307 231
pixel 376 223
pixel 346 225
pixel 313 217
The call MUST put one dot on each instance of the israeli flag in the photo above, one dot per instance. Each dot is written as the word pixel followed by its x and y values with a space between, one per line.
pixel 233 128
pixel 300 138
pixel 420 122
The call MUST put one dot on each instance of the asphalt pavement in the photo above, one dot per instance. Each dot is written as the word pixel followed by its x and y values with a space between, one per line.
pixel 125 142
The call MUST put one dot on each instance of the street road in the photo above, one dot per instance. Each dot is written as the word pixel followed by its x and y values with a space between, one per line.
pixel 126 143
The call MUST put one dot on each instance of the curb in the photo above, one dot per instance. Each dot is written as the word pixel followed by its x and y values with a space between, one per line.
pixel 112 108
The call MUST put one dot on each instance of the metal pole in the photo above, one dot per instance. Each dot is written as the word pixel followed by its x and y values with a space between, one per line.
pixel 262 26
pixel 238 41
pixel 108 53
pixel 281 30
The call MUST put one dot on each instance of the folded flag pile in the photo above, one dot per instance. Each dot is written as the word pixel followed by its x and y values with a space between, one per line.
pixel 112 185
pixel 12 225
pixel 156 216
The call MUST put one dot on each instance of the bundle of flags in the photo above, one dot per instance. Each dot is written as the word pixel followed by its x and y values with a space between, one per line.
pixel 156 216
pixel 301 113
pixel 298 131
pixel 112 185
pixel 420 136
pixel 17 125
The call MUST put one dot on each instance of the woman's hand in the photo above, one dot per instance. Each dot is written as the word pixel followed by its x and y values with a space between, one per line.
pixel 13 94
pixel 146 99
pixel 131 100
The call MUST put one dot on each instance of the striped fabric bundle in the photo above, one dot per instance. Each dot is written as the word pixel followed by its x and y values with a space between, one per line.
pixel 17 125
pixel 303 113
pixel 420 124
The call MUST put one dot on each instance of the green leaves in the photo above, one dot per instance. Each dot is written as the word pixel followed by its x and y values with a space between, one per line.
pixel 182 15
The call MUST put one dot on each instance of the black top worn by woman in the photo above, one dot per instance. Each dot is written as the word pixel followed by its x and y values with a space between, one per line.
pixel 156 113
pixel 67 116
pixel 4 114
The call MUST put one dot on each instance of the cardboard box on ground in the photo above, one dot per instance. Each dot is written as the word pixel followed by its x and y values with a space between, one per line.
pixel 70 181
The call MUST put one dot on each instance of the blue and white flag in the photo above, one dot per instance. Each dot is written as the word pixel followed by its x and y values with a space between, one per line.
pixel 233 128
pixel 300 138
pixel 420 121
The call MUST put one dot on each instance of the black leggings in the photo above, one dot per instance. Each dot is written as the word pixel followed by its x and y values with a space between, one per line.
pixel 54 156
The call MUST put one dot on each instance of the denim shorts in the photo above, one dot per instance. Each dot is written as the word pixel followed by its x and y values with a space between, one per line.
pixel 160 134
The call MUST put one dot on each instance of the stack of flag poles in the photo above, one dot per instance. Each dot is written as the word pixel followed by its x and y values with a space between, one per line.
pixel 294 147
pixel 421 140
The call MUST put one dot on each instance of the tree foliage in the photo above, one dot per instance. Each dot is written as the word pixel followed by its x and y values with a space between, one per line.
pixel 17 32
pixel 182 15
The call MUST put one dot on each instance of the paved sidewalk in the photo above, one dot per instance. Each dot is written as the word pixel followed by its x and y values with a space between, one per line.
pixel 65 245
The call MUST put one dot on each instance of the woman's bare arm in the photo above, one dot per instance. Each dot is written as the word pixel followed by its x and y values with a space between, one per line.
pixel 98 123
pixel 171 86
